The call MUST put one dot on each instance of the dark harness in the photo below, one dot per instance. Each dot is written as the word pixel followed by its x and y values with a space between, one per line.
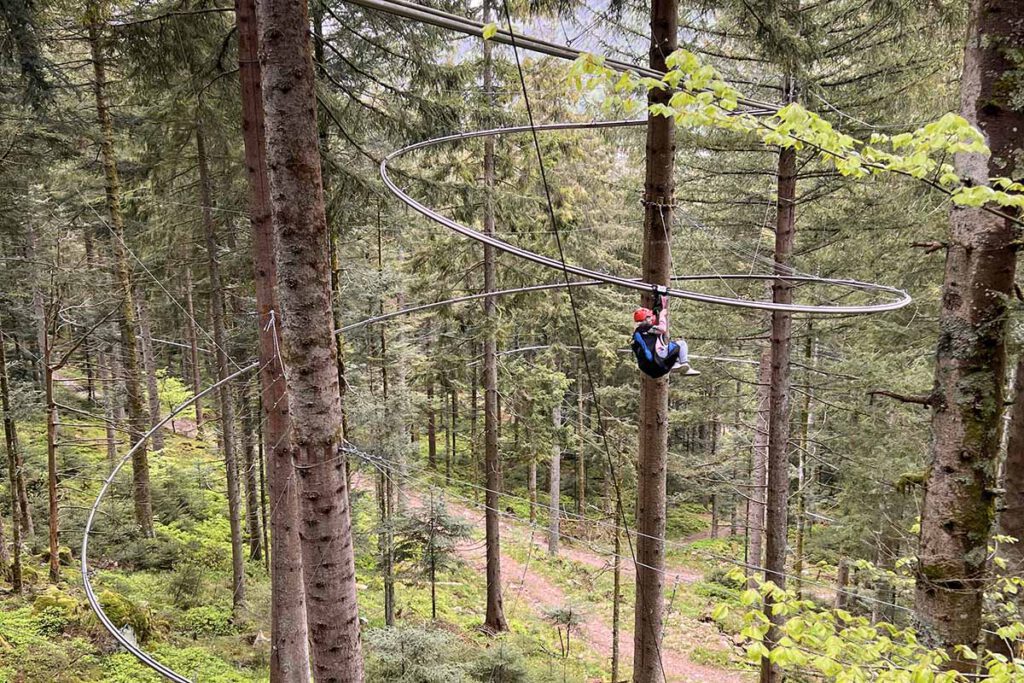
pixel 644 344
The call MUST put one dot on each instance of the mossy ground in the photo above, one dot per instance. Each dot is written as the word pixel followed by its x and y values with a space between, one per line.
pixel 175 589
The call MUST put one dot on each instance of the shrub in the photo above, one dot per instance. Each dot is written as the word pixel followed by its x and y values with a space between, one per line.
pixel 500 662
pixel 207 620
pixel 412 655
pixel 186 584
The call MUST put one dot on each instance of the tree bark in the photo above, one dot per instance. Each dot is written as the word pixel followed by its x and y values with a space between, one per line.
pixel 1011 519
pixel 193 347
pixel 149 364
pixel 659 199
pixel 250 468
pixel 555 484
pixel 142 493
pixel 804 449
pixel 616 596
pixel 289 642
pixel 494 621
pixel 777 493
pixel 307 342
pixel 11 443
pixel 958 506
pixel 51 465
pixel 431 427
pixel 531 487
pixel 581 467
pixel 108 385
pixel 227 405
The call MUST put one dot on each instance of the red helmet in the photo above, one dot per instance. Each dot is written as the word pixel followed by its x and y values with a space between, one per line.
pixel 640 314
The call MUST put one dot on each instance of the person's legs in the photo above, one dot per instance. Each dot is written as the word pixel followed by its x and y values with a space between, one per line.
pixel 684 351
pixel 672 354
pixel 682 358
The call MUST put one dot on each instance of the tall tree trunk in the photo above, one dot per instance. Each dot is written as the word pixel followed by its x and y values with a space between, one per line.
pixel 1011 518
pixel 308 341
pixel 581 467
pixel 714 515
pixel 11 443
pixel 659 199
pixel 555 484
pixel 431 427
pixel 227 405
pixel 777 493
pixel 958 506
pixel 38 305
pixel 250 471
pixel 108 385
pixel 51 463
pixel 193 347
pixel 474 446
pixel 616 597
pixel 149 364
pixel 289 642
pixel 323 141
pixel 531 487
pixel 142 493
pixel 385 488
pixel 449 438
pixel 494 620
pixel 803 450
pixel 454 430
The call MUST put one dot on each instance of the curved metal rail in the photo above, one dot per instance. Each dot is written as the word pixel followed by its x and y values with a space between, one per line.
pixel 901 298
pixel 94 602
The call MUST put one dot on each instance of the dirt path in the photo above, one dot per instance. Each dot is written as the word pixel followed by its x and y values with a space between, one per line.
pixel 182 426
pixel 526 588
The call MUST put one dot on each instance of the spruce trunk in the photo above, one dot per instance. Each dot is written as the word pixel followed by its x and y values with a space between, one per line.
pixel 227 405
pixel 555 484
pixel 289 642
pixel 11 443
pixel 777 492
pixel 149 364
pixel 659 199
pixel 142 494
pixel 307 341
pixel 967 399
pixel 494 621
pixel 193 347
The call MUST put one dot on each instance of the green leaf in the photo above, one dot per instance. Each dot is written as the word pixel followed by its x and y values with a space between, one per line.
pixel 490 30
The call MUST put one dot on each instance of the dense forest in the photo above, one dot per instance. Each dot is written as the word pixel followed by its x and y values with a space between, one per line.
pixel 321 356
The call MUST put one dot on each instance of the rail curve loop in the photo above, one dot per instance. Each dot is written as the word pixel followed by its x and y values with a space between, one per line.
pixel 593 278
pixel 899 298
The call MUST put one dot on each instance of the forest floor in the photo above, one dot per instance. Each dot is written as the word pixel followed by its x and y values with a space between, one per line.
pixel 541 584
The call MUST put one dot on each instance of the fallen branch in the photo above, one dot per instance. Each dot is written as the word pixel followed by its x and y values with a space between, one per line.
pixel 929 247
pixel 921 400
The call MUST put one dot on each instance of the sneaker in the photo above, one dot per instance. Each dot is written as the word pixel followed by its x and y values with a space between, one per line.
pixel 682 365
pixel 690 372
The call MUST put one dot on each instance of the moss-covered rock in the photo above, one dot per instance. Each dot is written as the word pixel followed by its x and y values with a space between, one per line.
pixel 123 611
pixel 64 556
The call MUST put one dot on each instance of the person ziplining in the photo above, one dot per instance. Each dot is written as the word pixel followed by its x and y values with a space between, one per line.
pixel 655 354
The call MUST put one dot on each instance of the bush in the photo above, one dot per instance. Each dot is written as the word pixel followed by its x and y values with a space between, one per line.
pixel 715 590
pixel 208 620
pixel 412 655
pixel 186 584
pixel 500 662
